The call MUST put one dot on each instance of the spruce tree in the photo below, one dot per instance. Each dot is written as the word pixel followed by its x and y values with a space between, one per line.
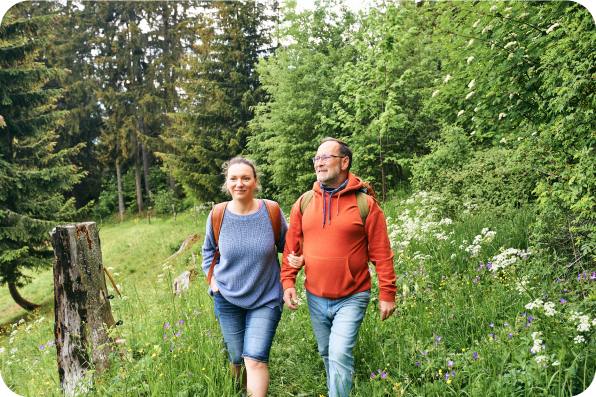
pixel 33 175
pixel 221 87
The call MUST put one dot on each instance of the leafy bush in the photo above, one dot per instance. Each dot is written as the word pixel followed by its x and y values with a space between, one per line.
pixel 495 177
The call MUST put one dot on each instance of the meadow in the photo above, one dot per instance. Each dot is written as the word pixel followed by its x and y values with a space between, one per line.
pixel 480 312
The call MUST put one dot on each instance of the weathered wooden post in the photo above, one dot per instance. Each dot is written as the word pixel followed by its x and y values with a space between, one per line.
pixel 81 305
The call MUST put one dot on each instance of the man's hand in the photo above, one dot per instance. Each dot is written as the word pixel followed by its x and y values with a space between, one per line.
pixel 296 261
pixel 387 309
pixel 290 293
pixel 213 285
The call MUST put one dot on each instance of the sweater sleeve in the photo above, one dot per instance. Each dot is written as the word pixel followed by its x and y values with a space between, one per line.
pixel 288 273
pixel 380 253
pixel 208 246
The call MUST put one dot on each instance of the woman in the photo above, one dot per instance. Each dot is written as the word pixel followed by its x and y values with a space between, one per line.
pixel 245 285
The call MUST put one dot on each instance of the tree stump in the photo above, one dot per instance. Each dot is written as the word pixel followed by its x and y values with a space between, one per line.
pixel 82 309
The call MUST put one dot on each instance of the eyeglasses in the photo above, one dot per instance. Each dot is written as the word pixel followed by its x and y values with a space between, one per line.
pixel 325 159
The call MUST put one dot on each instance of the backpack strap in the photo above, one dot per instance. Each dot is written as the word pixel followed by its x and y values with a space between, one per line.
pixel 305 200
pixel 275 216
pixel 363 208
pixel 217 215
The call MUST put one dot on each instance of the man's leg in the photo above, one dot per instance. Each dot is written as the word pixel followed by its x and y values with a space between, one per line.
pixel 321 326
pixel 348 315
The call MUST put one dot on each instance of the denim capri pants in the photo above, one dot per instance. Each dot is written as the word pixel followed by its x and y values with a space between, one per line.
pixel 247 332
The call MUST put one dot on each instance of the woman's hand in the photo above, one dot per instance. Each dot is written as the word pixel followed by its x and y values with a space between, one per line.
pixel 296 261
pixel 213 285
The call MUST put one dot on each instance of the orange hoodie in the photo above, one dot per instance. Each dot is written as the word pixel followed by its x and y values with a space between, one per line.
pixel 337 252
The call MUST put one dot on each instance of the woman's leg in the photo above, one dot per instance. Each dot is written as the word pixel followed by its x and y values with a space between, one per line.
pixel 232 321
pixel 261 324
pixel 239 375
pixel 257 375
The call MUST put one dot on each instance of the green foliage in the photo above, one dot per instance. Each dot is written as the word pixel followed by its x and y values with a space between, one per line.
pixel 493 177
pixel 301 90
pixel 382 108
pixel 221 86
pixel 163 200
pixel 34 175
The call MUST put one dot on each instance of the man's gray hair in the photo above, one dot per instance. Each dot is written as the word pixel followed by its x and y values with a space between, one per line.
pixel 344 149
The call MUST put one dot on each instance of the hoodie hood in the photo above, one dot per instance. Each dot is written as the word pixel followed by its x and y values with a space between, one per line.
pixel 353 183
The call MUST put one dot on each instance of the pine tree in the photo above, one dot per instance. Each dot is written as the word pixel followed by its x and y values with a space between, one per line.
pixel 221 86
pixel 33 174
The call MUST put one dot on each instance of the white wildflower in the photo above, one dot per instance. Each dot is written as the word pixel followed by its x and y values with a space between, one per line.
pixel 507 9
pixel 579 339
pixel 473 132
pixel 476 23
pixel 447 78
pixel 556 363
pixel 510 55
pixel 460 113
pixel 534 133
pixel 503 140
pixel 470 59
pixel 541 359
pixel 487 28
pixel 501 115
pixel 471 41
pixel 2 350
pixel 510 44
pixel 13 351
pixel 549 308
pixel 471 84
pixel 21 321
pixel 493 8
pixel 475 109
pixel 110 268
pixel 116 274
pixel 551 28
pixel 11 340
pixel 13 333
pixel 453 256
pixel 435 93
pixel 469 95
pixel 535 304
pixel 519 138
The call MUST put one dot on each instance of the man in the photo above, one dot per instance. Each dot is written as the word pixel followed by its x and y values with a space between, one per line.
pixel 337 249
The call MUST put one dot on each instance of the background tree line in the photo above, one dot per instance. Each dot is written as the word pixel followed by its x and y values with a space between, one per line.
pixel 488 103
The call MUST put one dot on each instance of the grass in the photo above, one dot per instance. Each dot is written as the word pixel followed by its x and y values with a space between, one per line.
pixel 454 318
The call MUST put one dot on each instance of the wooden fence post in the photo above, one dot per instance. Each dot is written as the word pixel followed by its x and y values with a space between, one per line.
pixel 81 305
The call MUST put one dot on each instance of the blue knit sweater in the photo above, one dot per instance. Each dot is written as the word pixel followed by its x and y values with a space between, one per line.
pixel 247 271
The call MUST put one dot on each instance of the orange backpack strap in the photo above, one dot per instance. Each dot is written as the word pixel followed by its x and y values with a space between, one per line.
pixel 275 216
pixel 217 215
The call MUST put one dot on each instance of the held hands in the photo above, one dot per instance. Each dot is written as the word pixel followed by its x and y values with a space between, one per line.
pixel 290 293
pixel 387 309
pixel 296 261
pixel 214 285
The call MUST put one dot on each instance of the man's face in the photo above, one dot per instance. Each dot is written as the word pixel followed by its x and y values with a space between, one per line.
pixel 330 174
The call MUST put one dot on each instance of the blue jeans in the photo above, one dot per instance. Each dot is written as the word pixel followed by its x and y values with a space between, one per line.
pixel 247 332
pixel 335 323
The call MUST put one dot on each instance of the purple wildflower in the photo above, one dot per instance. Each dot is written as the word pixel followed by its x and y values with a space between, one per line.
pixel 418 363
pixel 180 322
pixel 450 363
pixel 562 301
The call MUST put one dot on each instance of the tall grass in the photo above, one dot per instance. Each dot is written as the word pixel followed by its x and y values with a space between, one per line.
pixel 455 317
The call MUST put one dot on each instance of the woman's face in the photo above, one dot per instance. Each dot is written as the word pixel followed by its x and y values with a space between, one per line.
pixel 241 181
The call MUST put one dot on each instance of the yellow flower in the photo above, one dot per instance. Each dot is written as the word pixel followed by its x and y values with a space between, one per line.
pixel 161 374
pixel 463 350
pixel 174 356
pixel 153 355
pixel 448 381
pixel 440 371
pixel 147 344
pixel 203 369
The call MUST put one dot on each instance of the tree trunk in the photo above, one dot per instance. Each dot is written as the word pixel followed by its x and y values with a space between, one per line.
pixel 138 180
pixel 146 161
pixel 24 303
pixel 173 183
pixel 82 310
pixel 120 190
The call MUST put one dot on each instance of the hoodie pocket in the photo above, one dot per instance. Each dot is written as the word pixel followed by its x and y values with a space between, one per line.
pixel 328 277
